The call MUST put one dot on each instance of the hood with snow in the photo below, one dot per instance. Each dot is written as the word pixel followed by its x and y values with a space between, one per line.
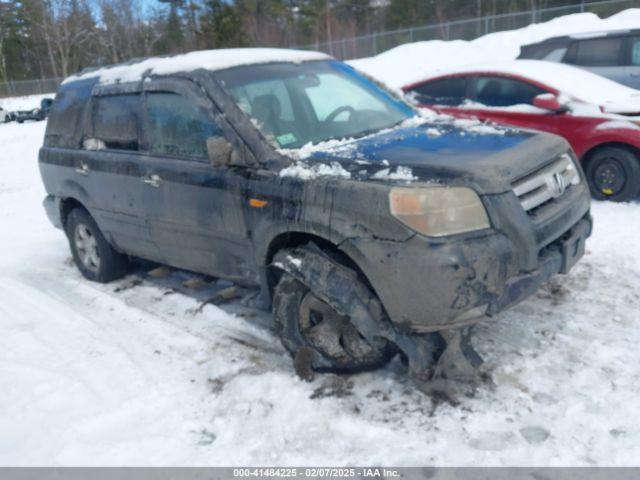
pixel 468 153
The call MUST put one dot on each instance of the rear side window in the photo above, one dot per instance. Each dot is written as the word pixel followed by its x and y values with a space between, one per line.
pixel 115 121
pixel 596 52
pixel 447 91
pixel 65 127
pixel 505 92
pixel 178 126
pixel 548 51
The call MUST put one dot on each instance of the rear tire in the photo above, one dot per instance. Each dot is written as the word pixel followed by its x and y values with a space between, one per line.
pixel 93 255
pixel 613 173
pixel 305 322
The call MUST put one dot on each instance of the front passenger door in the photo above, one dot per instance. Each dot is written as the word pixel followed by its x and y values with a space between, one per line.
pixel 197 219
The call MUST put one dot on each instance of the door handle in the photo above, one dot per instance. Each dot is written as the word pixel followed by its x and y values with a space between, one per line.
pixel 83 169
pixel 153 180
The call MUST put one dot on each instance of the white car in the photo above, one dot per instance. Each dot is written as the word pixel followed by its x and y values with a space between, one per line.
pixel 5 117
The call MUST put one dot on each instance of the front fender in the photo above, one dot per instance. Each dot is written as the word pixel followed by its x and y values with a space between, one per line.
pixel 601 137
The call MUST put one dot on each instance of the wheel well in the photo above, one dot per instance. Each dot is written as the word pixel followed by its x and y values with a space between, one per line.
pixel 296 239
pixel 586 157
pixel 66 205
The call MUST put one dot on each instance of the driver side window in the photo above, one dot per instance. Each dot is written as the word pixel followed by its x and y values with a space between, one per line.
pixel 177 126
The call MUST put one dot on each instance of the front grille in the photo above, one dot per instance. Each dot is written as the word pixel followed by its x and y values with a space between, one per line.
pixel 546 184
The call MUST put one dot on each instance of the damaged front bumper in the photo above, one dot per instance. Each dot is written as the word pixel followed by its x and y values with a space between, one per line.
pixel 559 257
pixel 427 286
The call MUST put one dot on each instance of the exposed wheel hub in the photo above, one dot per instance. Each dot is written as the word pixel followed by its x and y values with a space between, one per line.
pixel 609 176
pixel 331 333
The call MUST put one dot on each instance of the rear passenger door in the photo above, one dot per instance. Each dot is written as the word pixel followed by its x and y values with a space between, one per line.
pixel 108 170
pixel 604 56
pixel 196 216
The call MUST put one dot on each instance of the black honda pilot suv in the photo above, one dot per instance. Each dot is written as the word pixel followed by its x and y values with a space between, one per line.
pixel 370 229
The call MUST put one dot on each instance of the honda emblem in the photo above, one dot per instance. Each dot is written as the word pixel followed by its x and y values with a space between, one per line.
pixel 557 184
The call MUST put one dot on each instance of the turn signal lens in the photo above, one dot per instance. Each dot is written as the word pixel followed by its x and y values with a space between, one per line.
pixel 438 211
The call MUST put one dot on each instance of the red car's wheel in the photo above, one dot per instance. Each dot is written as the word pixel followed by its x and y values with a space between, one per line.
pixel 613 174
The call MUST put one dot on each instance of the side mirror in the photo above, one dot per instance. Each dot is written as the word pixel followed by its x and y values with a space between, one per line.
pixel 221 152
pixel 549 101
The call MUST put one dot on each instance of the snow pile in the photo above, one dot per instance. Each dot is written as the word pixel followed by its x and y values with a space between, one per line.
pixel 28 102
pixel 206 59
pixel 399 173
pixel 478 127
pixel 617 125
pixel 309 149
pixel 466 125
pixel 411 62
pixel 304 171
pixel 521 108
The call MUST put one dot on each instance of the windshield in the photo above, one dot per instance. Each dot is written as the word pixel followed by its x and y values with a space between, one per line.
pixel 294 104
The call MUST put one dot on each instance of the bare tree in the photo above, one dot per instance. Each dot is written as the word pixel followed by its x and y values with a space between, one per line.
pixel 64 27
pixel 120 36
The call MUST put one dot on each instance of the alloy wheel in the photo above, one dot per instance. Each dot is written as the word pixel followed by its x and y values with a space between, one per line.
pixel 87 247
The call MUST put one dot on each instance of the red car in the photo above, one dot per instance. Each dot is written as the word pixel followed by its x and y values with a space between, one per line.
pixel 598 117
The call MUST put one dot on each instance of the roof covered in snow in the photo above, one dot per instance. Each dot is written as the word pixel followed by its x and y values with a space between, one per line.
pixel 206 59
pixel 595 34
pixel 574 82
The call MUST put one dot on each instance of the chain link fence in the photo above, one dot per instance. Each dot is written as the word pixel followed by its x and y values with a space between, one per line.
pixel 29 87
pixel 373 44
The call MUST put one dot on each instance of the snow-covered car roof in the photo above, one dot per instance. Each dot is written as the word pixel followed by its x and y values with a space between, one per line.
pixel 586 35
pixel 601 33
pixel 206 59
pixel 574 82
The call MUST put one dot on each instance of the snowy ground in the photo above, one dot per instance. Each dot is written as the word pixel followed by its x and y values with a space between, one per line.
pixel 131 373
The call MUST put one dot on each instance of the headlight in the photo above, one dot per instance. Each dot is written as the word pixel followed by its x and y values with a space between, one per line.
pixel 571 174
pixel 438 211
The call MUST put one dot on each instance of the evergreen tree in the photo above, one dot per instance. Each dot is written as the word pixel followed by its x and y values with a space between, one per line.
pixel 221 26
pixel 173 38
